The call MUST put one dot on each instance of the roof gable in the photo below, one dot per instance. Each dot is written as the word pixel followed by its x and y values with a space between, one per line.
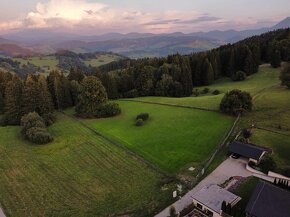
pixel 246 150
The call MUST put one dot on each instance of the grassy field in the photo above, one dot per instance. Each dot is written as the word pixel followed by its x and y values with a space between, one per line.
pixel 79 174
pixel 102 60
pixel 46 63
pixel 173 138
pixel 265 78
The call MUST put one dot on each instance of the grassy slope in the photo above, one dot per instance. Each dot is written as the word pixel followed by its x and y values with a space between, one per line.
pixel 101 60
pixel 50 61
pixel 79 174
pixel 265 78
pixel 172 138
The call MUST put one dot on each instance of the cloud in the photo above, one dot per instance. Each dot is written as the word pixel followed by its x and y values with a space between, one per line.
pixel 87 17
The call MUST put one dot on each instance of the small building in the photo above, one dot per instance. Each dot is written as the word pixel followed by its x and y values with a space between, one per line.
pixel 254 153
pixel 209 200
pixel 268 200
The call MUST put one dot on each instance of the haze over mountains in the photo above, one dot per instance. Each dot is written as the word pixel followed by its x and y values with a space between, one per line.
pixel 134 45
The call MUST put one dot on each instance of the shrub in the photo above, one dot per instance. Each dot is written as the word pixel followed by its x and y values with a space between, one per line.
pixel 286 172
pixel 236 102
pixel 216 92
pixel 34 129
pixel 108 110
pixel 239 76
pixel 2 120
pixel 31 120
pixel 38 135
pixel 205 90
pixel 139 122
pixel 196 92
pixel 49 119
pixel 285 75
pixel 267 164
pixel 247 133
pixel 143 116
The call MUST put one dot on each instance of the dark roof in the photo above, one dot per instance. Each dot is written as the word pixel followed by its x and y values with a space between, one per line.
pixel 247 150
pixel 269 201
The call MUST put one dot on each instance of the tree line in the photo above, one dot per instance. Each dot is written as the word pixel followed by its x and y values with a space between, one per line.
pixel 176 75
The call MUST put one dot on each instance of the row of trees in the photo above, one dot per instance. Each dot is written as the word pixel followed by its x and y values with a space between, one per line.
pixel 176 75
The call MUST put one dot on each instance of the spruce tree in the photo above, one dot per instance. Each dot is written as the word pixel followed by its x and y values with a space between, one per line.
pixel 276 59
pixel 45 99
pixel 208 74
pixel 31 99
pixel 13 96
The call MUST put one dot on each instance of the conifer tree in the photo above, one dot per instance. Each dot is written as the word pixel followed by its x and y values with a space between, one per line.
pixel 276 59
pixel 31 99
pixel 13 96
pixel 208 76
pixel 45 99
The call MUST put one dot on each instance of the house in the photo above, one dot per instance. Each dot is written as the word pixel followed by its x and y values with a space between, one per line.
pixel 254 153
pixel 209 200
pixel 268 200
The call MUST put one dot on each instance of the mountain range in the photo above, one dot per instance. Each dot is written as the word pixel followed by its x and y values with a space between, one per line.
pixel 134 45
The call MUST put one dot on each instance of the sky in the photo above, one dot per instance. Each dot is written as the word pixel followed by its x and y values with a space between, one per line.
pixel 93 17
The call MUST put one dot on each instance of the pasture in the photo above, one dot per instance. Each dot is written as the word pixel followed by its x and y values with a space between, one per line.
pixel 79 174
pixel 173 138
pixel 267 77
pixel 102 59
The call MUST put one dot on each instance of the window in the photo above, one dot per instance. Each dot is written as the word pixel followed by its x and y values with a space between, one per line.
pixel 210 213
pixel 199 206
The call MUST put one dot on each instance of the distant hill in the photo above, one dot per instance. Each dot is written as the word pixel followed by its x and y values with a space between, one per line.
pixel 134 44
pixel 14 50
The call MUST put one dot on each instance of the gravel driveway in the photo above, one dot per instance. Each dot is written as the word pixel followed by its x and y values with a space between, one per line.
pixel 229 168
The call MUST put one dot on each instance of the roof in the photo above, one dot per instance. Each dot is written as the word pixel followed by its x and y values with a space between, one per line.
pixel 247 150
pixel 269 201
pixel 213 196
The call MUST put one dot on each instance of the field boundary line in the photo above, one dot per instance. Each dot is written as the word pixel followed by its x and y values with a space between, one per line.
pixel 271 131
pixel 121 146
pixel 170 104
pixel 226 137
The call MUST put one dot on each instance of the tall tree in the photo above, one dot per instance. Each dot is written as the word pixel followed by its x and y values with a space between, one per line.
pixel 92 95
pixel 45 99
pixel 186 77
pixel 13 94
pixel 285 75
pixel 276 59
pixel 208 76
pixel 31 98
pixel 76 74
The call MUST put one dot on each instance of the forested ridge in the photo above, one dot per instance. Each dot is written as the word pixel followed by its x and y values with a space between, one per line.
pixel 176 75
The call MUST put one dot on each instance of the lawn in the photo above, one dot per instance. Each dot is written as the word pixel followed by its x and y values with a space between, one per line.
pixel 280 144
pixel 173 138
pixel 245 191
pixel 79 174
pixel 264 79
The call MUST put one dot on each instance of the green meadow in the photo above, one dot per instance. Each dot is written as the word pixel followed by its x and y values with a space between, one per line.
pixel 79 174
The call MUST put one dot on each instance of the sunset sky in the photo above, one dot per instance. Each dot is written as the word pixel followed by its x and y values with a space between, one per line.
pixel 88 17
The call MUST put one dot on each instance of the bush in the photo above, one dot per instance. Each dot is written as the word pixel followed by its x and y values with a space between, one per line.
pixel 205 90
pixel 216 92
pixel 143 116
pixel 2 121
pixel 196 92
pixel 31 120
pixel 239 76
pixel 267 164
pixel 139 122
pixel 285 75
pixel 286 172
pixel 236 102
pixel 108 110
pixel 38 135
pixel 49 119
pixel 34 129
